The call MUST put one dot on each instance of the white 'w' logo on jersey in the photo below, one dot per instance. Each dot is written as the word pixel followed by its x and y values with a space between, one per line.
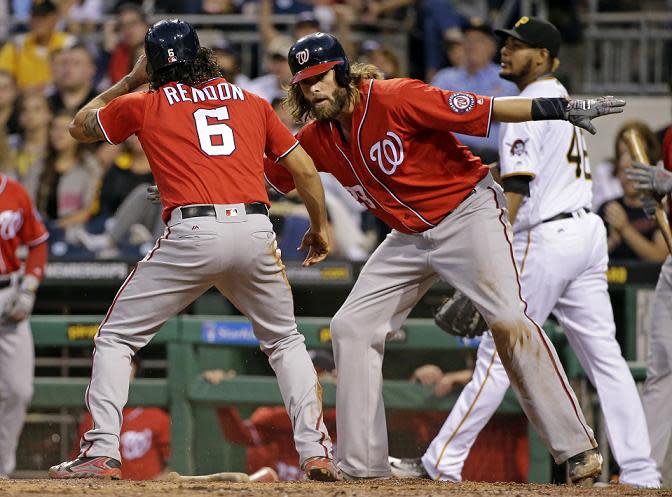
pixel 10 224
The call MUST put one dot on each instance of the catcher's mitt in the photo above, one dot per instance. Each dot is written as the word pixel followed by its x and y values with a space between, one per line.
pixel 457 316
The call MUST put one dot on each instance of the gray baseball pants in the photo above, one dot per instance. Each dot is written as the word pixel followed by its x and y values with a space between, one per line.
pixel 658 385
pixel 470 250
pixel 237 255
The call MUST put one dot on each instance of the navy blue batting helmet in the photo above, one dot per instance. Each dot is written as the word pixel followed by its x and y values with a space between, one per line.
pixel 318 53
pixel 170 42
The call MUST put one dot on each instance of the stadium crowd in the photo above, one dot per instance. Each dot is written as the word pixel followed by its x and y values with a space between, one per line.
pixel 57 55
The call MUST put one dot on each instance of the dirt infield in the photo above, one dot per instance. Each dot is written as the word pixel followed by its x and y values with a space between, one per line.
pixel 397 488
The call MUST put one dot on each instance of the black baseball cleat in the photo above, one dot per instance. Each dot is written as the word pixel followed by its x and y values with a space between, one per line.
pixel 408 468
pixel 87 467
pixel 583 468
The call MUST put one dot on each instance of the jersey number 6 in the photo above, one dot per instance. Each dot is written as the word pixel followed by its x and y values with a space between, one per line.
pixel 215 137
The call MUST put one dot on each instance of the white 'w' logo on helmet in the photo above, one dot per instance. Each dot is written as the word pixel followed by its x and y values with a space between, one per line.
pixel 303 56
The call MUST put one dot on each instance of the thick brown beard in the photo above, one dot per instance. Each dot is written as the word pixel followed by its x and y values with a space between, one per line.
pixel 336 104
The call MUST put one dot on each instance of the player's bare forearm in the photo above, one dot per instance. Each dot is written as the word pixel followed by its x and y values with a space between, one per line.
pixel 308 185
pixel 514 201
pixel 654 250
pixel 511 109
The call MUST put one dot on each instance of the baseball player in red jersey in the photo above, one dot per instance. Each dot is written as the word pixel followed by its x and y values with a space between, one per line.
pixel 658 386
pixel 205 140
pixel 19 225
pixel 390 143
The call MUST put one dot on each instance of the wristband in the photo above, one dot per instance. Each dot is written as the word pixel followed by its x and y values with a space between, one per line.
pixel 545 109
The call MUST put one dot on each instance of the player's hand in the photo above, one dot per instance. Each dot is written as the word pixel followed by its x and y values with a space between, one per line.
pixel 581 112
pixel 647 178
pixel 429 374
pixel 317 243
pixel 615 216
pixel 138 75
pixel 451 381
pixel 153 194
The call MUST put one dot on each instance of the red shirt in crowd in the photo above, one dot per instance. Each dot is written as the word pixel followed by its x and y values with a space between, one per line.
pixel 20 224
pixel 144 442
pixel 667 161
pixel 402 161
pixel 205 144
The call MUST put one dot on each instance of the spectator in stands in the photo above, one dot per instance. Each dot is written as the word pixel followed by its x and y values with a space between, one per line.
pixel 127 43
pixel 271 85
pixel 82 16
pixel 130 169
pixel 74 70
pixel 228 60
pixel 129 218
pixel 26 56
pixel 31 144
pixel 9 121
pixel 632 235
pixel 134 227
pixel 481 76
pixel 383 57
pixel 64 183
pixel 144 442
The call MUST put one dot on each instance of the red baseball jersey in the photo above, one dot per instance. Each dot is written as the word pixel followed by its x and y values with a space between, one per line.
pixel 205 144
pixel 20 224
pixel 402 161
pixel 144 442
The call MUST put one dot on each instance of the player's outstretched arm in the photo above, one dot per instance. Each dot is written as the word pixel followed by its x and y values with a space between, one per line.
pixel 309 187
pixel 578 112
pixel 84 127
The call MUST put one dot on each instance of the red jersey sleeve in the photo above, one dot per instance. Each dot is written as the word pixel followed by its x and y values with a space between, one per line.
pixel 279 140
pixel 424 106
pixel 122 117
pixel 32 232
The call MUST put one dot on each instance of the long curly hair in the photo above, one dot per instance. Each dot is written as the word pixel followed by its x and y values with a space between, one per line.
pixel 300 109
pixel 203 68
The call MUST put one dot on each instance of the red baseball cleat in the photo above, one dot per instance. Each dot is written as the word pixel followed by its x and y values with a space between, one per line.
pixel 87 467
pixel 321 469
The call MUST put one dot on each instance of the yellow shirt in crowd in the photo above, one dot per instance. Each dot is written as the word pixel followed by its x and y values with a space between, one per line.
pixel 28 61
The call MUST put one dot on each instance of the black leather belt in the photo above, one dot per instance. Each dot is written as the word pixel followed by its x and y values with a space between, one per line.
pixel 209 210
pixel 5 283
pixel 565 215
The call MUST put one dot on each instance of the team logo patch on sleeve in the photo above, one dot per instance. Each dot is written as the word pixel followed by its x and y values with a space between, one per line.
pixel 461 102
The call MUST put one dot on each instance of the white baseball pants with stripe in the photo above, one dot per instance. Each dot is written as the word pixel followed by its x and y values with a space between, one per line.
pixel 563 265
pixel 471 250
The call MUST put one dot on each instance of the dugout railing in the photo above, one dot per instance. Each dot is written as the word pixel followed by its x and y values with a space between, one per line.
pixel 192 341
